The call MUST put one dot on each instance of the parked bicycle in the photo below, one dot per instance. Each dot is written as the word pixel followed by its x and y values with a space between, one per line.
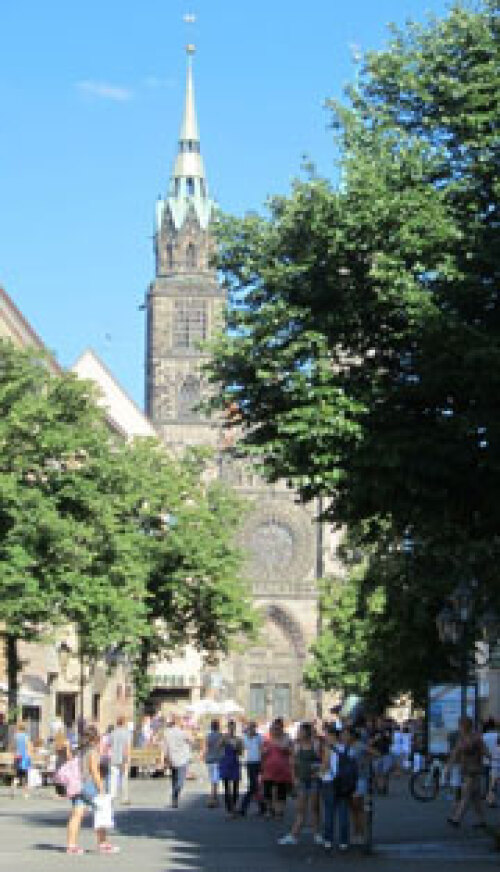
pixel 426 784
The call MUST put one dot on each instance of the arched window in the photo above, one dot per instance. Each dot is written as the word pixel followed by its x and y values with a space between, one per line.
pixel 170 256
pixel 189 398
pixel 191 256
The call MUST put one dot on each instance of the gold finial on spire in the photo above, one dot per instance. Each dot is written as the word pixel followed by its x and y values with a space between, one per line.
pixel 190 49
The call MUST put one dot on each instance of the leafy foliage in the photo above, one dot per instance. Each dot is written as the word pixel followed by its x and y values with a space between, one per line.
pixel 363 344
pixel 135 548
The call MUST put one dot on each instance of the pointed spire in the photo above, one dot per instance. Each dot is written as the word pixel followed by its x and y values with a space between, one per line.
pixel 188 186
pixel 189 128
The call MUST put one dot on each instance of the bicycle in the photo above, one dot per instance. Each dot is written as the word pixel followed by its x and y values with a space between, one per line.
pixel 427 783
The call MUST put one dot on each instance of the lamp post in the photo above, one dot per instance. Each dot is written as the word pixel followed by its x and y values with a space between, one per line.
pixel 460 624
pixel 453 623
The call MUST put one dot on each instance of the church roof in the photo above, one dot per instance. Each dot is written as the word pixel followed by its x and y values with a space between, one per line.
pixel 120 408
pixel 14 326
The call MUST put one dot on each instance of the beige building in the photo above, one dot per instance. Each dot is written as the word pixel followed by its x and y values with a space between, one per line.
pixel 54 683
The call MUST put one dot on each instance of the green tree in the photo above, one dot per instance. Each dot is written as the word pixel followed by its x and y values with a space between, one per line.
pixel 66 551
pixel 135 548
pixel 363 342
pixel 189 524
pixel 362 338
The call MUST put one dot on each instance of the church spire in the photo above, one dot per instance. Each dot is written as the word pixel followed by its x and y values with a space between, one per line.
pixel 189 128
pixel 188 189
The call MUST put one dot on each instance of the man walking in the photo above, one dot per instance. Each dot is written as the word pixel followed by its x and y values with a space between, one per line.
pixel 252 743
pixel 178 754
pixel 119 750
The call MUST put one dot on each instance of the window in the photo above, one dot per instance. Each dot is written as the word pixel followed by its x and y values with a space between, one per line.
pixel 190 186
pixel 96 706
pixel 189 398
pixel 257 701
pixel 190 324
pixel 191 256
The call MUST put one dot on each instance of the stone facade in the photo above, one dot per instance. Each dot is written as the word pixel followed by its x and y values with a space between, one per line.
pixel 286 549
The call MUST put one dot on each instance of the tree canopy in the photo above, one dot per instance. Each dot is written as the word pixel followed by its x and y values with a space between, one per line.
pixel 123 541
pixel 363 343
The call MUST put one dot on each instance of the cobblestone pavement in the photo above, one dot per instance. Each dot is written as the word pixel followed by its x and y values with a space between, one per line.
pixel 409 836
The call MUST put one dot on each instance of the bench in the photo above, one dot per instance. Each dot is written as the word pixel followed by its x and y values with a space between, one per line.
pixel 146 761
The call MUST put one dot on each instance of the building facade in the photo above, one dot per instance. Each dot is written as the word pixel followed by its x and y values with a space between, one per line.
pixel 286 549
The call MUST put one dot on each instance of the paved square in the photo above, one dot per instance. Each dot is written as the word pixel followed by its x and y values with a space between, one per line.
pixel 409 836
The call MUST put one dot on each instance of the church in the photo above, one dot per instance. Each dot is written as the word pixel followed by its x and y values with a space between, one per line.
pixel 287 551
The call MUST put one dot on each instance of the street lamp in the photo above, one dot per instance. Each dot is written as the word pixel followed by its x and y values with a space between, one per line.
pixel 459 624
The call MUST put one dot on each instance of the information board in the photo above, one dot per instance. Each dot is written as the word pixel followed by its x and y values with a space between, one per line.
pixel 443 714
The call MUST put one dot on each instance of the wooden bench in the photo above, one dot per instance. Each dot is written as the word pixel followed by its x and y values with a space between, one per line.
pixel 146 761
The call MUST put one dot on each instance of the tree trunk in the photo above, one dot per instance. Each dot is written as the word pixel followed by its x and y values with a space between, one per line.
pixel 141 684
pixel 13 669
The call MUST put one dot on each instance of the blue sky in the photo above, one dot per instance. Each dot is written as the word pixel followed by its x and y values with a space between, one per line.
pixel 91 99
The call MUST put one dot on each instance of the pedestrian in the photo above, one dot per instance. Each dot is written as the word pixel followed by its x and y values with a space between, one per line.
pixel 63 753
pixel 339 776
pixel 252 744
pixel 277 752
pixel 177 751
pixel 469 752
pixel 119 753
pixel 363 757
pixel 212 755
pixel 4 733
pixel 491 798
pixel 306 763
pixel 22 756
pixel 92 786
pixel 490 737
pixel 229 768
pixel 381 743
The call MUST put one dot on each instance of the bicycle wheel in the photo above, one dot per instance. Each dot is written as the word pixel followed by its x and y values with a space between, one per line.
pixel 424 785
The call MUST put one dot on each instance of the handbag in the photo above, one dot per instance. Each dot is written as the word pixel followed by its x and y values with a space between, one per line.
pixel 103 812
pixel 69 777
pixel 34 778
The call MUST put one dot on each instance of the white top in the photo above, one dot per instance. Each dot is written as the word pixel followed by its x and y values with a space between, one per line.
pixel 253 748
pixel 331 772
pixel 177 747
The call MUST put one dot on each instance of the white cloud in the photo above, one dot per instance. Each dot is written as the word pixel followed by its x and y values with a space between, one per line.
pixel 157 82
pixel 105 90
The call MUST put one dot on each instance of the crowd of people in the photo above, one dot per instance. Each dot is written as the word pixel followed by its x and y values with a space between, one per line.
pixel 326 769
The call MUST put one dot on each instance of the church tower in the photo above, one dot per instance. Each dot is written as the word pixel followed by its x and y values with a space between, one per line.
pixel 184 302
pixel 286 551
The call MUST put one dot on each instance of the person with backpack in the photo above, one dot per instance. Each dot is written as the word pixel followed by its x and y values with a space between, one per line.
pixel 84 795
pixel 307 763
pixel 339 773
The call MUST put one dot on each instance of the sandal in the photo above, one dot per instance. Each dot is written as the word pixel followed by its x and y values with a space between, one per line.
pixel 75 849
pixel 106 848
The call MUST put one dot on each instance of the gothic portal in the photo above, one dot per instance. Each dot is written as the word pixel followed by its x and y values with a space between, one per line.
pixel 285 547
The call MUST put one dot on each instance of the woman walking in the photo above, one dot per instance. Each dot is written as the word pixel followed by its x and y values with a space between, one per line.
pixel 229 768
pixel 306 766
pixel 277 769
pixel 22 756
pixel 92 787
pixel 213 755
